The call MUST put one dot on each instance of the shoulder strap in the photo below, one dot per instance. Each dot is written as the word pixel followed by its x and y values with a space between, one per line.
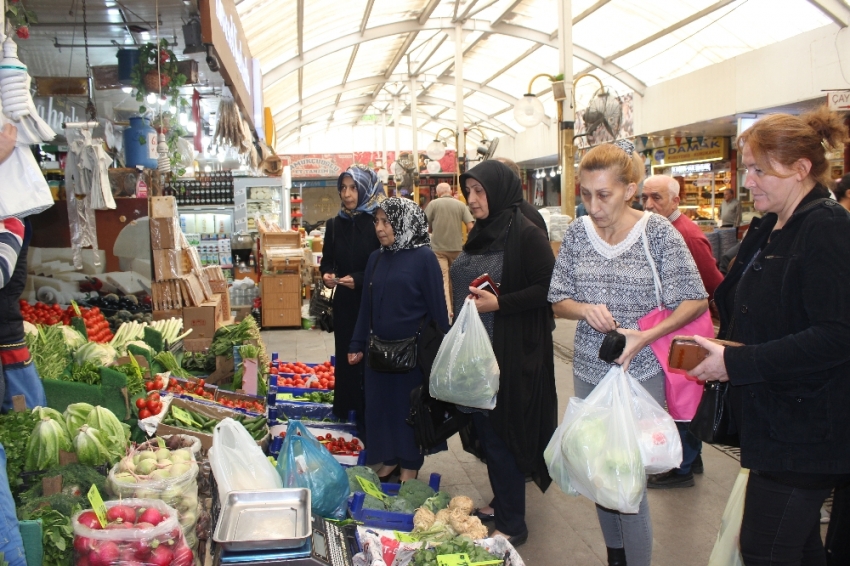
pixel 371 280
pixel 655 278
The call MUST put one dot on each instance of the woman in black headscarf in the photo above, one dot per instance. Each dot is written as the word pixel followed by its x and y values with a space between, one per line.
pixel 349 239
pixel 402 291
pixel 516 254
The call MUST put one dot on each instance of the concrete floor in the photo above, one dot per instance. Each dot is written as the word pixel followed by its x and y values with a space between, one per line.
pixel 564 530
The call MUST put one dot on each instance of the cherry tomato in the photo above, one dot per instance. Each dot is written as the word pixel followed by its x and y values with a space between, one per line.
pixel 140 403
pixel 144 413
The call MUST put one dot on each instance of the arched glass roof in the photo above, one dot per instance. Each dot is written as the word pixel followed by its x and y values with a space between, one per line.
pixel 326 64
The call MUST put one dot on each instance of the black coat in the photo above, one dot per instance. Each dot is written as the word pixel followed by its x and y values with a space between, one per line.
pixel 348 244
pixel 791 382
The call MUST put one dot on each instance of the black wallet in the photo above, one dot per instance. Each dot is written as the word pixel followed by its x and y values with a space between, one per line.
pixel 612 346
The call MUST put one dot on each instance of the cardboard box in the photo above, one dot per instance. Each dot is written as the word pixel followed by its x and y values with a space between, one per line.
pixel 239 313
pixel 165 234
pixel 209 411
pixel 225 304
pixel 218 286
pixel 233 396
pixel 168 264
pixel 163 207
pixel 196 344
pixel 224 370
pixel 203 319
pixel 166 314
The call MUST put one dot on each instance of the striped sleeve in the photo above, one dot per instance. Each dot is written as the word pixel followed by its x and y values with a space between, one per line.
pixel 11 238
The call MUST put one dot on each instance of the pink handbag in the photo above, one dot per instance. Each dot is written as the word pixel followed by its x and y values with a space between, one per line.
pixel 683 391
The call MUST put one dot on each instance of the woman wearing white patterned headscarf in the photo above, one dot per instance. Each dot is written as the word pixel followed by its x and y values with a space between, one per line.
pixel 402 291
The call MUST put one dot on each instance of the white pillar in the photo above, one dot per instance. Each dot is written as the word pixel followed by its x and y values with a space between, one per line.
pixel 396 112
pixel 414 128
pixel 384 140
pixel 566 128
pixel 461 138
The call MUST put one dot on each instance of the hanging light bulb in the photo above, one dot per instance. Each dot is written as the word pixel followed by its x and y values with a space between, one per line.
pixel 151 98
pixel 127 89
pixel 182 119
pixel 163 101
pixel 559 169
pixel 173 110
pixel 163 164
pixel 192 127
pixel 221 157
pixel 552 173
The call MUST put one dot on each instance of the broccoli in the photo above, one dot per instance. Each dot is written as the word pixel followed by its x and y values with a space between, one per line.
pixel 372 502
pixel 365 473
pixel 437 502
pixel 416 492
pixel 401 505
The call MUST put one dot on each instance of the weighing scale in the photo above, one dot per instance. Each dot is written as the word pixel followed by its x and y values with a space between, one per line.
pixel 329 545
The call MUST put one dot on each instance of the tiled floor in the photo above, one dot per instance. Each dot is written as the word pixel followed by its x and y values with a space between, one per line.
pixel 564 530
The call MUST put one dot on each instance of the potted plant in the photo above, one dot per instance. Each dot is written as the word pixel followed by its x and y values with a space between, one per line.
pixel 19 18
pixel 157 73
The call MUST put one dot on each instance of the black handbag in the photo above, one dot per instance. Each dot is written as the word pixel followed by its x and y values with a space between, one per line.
pixel 322 307
pixel 433 421
pixel 391 356
pixel 713 422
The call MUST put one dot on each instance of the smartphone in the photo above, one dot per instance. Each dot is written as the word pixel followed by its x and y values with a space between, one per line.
pixel 485 283
pixel 686 354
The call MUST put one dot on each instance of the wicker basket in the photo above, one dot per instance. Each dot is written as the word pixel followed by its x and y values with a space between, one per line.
pixel 152 81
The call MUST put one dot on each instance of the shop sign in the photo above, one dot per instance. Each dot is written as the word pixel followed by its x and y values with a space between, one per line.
pixel 692 168
pixel 711 149
pixel 55 111
pixel 332 164
pixel 221 27
pixel 838 100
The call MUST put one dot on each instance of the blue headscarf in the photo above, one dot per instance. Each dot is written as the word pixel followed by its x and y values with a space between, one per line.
pixel 370 191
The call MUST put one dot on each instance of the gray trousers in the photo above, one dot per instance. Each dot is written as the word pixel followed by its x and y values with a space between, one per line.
pixel 632 531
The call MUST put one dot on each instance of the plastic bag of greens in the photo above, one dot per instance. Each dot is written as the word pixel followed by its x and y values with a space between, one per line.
pixel 658 438
pixel 600 445
pixel 304 462
pixel 465 370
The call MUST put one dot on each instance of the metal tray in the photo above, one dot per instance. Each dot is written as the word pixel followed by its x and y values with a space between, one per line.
pixel 264 520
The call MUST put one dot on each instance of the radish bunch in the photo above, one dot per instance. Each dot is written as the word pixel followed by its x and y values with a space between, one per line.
pixel 138 532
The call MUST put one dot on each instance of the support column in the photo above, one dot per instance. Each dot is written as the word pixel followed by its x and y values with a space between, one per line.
pixel 847 149
pixel 460 138
pixel 415 128
pixel 396 112
pixel 384 141
pixel 566 113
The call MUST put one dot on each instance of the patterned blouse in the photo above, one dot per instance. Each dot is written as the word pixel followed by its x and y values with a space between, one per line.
pixel 589 270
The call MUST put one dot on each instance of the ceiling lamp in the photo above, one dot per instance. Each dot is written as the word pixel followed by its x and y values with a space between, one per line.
pixel 552 173
pixel 433 166
pixel 436 150
pixel 528 111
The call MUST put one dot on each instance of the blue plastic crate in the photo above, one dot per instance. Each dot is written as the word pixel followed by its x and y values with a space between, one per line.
pixel 385 519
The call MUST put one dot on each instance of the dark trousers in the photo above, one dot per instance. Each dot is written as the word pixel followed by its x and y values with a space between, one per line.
pixel 838 534
pixel 691 447
pixel 781 525
pixel 506 480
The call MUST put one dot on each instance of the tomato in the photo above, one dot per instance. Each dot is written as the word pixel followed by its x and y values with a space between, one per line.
pixel 149 386
pixel 140 403
pixel 172 382
pixel 144 413
pixel 153 396
pixel 155 408
pixel 201 383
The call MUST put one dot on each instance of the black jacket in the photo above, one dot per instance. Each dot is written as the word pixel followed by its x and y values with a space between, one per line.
pixel 788 300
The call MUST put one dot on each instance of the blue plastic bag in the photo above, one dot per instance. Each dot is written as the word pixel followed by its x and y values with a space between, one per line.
pixel 304 462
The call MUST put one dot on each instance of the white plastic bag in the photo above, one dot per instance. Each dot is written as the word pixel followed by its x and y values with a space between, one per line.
pixel 24 190
pixel 465 370
pixel 555 460
pixel 658 438
pixel 727 548
pixel 600 445
pixel 237 462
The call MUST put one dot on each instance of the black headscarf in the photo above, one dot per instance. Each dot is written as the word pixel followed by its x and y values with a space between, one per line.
pixel 410 226
pixel 501 230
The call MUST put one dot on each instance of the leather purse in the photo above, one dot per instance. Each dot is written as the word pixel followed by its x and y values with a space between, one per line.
pixel 433 421
pixel 612 346
pixel 713 422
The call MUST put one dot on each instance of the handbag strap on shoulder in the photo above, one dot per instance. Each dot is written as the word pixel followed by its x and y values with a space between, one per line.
pixel 655 278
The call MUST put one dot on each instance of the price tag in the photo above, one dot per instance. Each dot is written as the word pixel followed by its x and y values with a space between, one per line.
pixel 97 505
pixel 370 488
pixel 182 416
pixel 487 563
pixel 285 396
pixel 405 537
pixel 453 560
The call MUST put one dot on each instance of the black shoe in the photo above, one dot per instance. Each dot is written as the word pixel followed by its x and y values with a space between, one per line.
pixel 616 556
pixel 485 517
pixel 669 480
pixel 518 540
pixel 697 466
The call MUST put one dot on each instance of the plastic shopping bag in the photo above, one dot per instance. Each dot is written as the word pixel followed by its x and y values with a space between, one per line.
pixel 465 370
pixel 600 445
pixel 237 462
pixel 304 462
pixel 727 549
pixel 24 190
pixel 556 461
pixel 658 438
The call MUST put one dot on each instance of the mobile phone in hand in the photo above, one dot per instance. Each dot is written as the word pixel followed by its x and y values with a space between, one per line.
pixel 686 354
pixel 485 283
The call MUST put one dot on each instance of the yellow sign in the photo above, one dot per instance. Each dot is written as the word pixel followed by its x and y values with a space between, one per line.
pixel 711 149
pixel 97 505
pixel 370 488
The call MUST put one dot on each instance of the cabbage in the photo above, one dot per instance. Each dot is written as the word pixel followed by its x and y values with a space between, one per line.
pixel 48 413
pixel 76 415
pixel 73 338
pixel 30 328
pixel 111 432
pixel 98 354
pixel 89 446
pixel 47 439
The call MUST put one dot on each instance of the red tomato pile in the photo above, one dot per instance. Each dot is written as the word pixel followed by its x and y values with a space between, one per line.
pixel 253 406
pixel 169 548
pixel 301 373
pixel 340 446
pixel 150 405
pixel 186 388
pixel 96 325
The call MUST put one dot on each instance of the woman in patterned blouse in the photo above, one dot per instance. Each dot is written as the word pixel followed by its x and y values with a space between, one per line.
pixel 604 280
